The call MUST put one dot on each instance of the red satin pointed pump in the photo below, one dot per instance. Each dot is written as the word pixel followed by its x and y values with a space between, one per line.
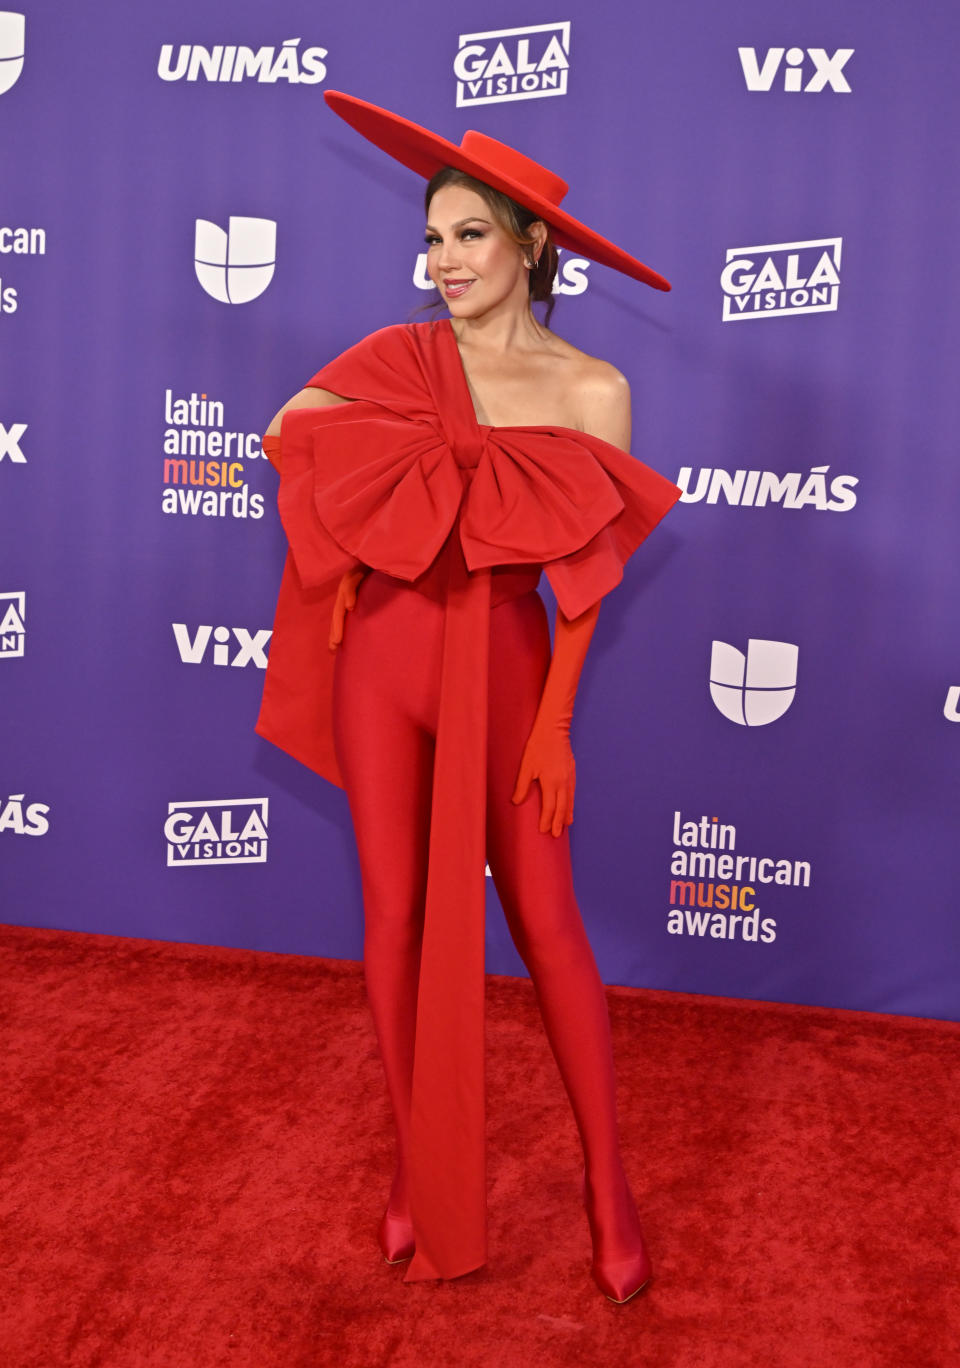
pixel 395 1238
pixel 619 1277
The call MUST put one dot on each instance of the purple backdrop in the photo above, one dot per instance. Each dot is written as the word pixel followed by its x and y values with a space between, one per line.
pixel 782 657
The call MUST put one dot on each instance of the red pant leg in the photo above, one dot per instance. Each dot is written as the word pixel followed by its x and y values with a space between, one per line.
pixel 385 708
pixel 385 702
pixel 534 880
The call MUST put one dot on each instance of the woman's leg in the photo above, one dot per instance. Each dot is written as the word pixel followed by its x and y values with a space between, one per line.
pixel 384 701
pixel 533 876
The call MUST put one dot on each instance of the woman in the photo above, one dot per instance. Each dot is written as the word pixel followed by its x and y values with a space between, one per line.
pixel 439 466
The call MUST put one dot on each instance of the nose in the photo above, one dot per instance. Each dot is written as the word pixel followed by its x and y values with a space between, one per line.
pixel 448 257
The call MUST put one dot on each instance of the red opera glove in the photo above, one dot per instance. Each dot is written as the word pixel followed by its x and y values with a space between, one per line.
pixel 347 589
pixel 547 755
pixel 346 599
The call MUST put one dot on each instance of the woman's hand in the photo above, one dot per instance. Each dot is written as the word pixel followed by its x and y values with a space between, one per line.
pixel 548 757
pixel 346 599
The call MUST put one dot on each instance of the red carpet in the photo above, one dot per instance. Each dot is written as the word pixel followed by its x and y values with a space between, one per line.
pixel 195 1153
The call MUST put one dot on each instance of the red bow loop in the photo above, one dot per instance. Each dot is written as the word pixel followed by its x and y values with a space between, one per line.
pixel 537 495
pixel 339 506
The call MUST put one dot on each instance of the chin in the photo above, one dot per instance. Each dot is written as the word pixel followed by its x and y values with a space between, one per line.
pixel 469 308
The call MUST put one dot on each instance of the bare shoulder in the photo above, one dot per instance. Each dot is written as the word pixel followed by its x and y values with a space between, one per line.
pixel 601 396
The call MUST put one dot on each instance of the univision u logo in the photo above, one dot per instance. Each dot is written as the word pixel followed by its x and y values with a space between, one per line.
pixel 755 688
pixel 11 48
pixel 237 265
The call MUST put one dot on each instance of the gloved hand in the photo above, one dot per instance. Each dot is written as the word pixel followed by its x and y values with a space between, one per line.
pixel 346 599
pixel 547 755
pixel 347 588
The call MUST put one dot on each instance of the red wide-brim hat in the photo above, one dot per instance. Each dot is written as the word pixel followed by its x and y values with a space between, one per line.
pixel 494 163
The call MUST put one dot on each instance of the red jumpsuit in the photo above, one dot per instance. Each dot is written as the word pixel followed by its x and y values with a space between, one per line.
pixel 422 716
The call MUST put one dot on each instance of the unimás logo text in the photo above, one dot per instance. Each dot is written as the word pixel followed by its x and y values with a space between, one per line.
pixel 713 888
pixel 571 277
pixel 512 64
pixel 12 48
pixel 951 707
pixel 18 242
pixel 22 818
pixel 229 62
pixel 236 265
pixel 205 466
pixel 216 831
pixel 13 617
pixel 233 646
pixel 781 278
pixel 805 71
pixel 761 488
pixel 755 688
pixel 10 438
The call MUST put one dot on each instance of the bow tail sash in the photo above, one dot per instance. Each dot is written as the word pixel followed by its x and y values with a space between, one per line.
pixel 447 1141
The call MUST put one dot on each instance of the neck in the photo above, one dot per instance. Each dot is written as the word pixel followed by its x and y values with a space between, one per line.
pixel 506 326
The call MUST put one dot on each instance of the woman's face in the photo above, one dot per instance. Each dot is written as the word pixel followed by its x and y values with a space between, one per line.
pixel 473 263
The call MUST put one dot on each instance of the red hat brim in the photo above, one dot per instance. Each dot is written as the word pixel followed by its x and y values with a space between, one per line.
pixel 425 152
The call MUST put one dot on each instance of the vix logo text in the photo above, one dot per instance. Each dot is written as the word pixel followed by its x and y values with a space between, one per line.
pixel 512 64
pixel 10 438
pixel 827 70
pixel 11 48
pixel 13 631
pixel 251 645
pixel 755 688
pixel 237 265
pixel 781 278
pixel 217 831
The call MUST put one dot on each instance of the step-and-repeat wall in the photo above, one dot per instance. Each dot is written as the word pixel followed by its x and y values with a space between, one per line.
pixel 767 728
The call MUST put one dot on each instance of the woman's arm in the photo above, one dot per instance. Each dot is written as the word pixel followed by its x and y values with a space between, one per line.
pixel 547 756
pixel 305 398
pixel 314 397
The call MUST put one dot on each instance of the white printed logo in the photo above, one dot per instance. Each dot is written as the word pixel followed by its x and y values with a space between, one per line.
pixel 827 70
pixel 205 467
pixel 12 27
pixel 756 688
pixel 10 438
pixel 217 831
pixel 237 265
pixel 512 64
pixel 951 708
pixel 756 488
pixel 571 277
pixel 23 821
pixel 228 62
pixel 781 278
pixel 713 884
pixel 251 645
pixel 13 631
pixel 18 242
pixel 23 241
